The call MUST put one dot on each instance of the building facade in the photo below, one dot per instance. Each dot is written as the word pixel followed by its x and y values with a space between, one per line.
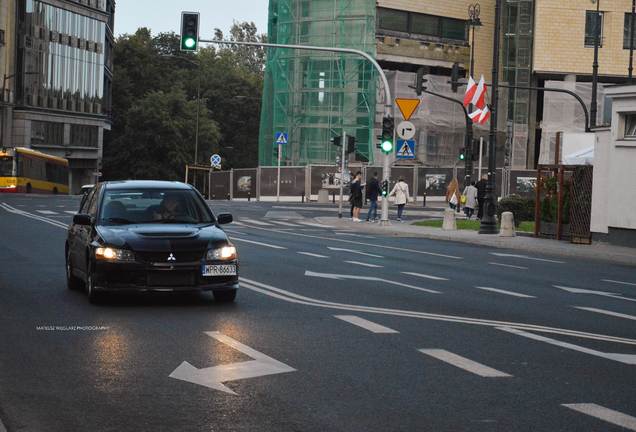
pixel 58 80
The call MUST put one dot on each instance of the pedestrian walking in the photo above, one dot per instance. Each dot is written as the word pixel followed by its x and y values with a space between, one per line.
pixel 481 195
pixel 470 199
pixel 356 196
pixel 401 193
pixel 452 194
pixel 373 191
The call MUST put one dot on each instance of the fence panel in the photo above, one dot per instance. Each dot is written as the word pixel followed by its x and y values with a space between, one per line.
pixel 292 181
pixel 245 183
pixel 219 185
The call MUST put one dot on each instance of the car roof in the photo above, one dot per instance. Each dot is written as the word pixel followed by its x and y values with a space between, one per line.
pixel 145 184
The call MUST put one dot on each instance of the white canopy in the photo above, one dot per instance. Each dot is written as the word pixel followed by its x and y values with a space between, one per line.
pixel 581 157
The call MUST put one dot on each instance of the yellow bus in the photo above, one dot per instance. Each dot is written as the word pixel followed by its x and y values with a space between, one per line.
pixel 24 170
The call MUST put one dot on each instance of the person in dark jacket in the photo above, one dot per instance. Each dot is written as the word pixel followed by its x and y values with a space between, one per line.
pixel 373 191
pixel 481 195
pixel 356 196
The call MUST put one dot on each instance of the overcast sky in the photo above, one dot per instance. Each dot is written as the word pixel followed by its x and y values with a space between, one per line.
pixel 165 15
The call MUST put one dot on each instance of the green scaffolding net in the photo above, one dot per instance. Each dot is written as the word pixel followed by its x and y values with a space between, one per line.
pixel 313 96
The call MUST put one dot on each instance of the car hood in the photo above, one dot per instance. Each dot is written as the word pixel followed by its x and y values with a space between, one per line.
pixel 162 238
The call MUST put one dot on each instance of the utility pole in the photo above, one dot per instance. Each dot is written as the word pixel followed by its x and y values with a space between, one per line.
pixel 280 150
pixel 342 172
pixel 597 42
pixel 488 223
pixel 631 42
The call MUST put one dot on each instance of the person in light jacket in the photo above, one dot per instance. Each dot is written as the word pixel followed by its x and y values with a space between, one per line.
pixel 470 192
pixel 401 193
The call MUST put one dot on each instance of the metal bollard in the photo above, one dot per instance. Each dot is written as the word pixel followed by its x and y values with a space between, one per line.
pixel 228 197
pixel 424 200
pixel 249 196
pixel 213 196
pixel 302 197
pixel 333 196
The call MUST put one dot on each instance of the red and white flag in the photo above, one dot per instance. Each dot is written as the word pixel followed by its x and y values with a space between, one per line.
pixel 474 116
pixel 484 116
pixel 470 91
pixel 479 98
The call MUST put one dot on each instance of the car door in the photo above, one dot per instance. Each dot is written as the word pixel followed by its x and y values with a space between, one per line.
pixel 85 232
pixel 74 243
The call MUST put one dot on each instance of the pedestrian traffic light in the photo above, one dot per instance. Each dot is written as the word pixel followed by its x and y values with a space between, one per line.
pixel 388 127
pixel 351 144
pixel 462 155
pixel 455 77
pixel 189 31
pixel 385 188
pixel 337 141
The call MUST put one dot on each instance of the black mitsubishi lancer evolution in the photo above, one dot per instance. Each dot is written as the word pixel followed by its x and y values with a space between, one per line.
pixel 149 236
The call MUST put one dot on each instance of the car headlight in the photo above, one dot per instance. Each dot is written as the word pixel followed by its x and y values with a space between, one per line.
pixel 225 253
pixel 112 254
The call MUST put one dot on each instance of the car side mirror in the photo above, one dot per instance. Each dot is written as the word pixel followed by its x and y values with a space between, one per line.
pixel 224 218
pixel 82 219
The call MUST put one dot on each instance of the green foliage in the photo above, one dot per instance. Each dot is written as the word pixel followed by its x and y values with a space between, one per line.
pixel 521 208
pixel 550 202
pixel 155 88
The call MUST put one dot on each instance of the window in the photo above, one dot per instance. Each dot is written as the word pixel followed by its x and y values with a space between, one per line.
pixel 626 30
pixel 453 29
pixel 47 133
pixel 592 23
pixel 630 126
pixel 390 19
pixel 425 24
pixel 83 136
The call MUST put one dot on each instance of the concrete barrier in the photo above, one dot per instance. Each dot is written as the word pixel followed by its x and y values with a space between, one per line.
pixel 449 220
pixel 323 196
pixel 507 225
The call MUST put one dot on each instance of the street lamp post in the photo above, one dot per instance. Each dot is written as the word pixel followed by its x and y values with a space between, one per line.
pixel 597 42
pixel 488 223
pixel 474 21
pixel 631 42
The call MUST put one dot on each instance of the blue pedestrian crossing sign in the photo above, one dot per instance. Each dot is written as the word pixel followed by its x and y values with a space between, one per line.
pixel 281 138
pixel 215 160
pixel 405 149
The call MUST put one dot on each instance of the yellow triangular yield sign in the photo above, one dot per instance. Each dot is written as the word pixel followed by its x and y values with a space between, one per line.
pixel 407 106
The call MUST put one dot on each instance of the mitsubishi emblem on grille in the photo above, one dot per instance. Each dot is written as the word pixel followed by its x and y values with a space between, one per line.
pixel 171 258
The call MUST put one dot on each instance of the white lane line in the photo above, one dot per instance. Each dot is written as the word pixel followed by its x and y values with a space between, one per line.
pixel 277 222
pixel 46 212
pixel 13 210
pixel 609 415
pixel 500 291
pixel 364 264
pixel 353 251
pixel 508 265
pixel 291 297
pixel 600 293
pixel 499 254
pixel 237 223
pixel 464 363
pixel 618 282
pixel 312 254
pixel 425 276
pixel 365 324
pixel 367 278
pixel 606 312
pixel 233 238
pixel 629 359
pixel 255 222
pixel 352 235
pixel 311 224
pixel 70 212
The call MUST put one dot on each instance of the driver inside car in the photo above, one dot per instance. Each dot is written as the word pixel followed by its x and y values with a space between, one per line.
pixel 170 208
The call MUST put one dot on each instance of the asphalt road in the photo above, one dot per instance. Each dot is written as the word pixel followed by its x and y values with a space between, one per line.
pixel 332 331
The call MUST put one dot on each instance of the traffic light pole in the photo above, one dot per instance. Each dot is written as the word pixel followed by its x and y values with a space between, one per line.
pixel 388 103
pixel 342 173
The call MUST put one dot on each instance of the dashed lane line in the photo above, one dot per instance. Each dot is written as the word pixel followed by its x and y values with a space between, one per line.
pixel 425 276
pixel 257 243
pixel 618 282
pixel 283 223
pixel 353 251
pixel 255 222
pixel 464 363
pixel 364 264
pixel 313 255
pixel 606 414
pixel 47 212
pixel 500 291
pixel 508 266
pixel 365 324
pixel 606 312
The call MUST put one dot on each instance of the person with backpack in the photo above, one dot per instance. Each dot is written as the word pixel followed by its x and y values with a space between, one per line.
pixel 373 191
pixel 401 193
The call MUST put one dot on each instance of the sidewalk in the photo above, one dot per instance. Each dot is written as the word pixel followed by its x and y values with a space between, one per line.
pixel 596 251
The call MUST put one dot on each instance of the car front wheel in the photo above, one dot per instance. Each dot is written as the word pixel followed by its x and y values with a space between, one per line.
pixel 93 296
pixel 72 282
pixel 225 296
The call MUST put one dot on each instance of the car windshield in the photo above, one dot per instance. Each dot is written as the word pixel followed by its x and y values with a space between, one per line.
pixel 122 207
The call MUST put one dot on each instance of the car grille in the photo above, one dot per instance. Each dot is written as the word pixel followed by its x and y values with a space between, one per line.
pixel 162 257
pixel 171 279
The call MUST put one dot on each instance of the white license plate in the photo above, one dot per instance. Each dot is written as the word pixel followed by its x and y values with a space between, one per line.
pixel 219 270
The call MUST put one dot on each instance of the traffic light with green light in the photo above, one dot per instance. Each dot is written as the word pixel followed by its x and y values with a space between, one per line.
pixel 386 143
pixel 189 31
pixel 385 188
pixel 462 156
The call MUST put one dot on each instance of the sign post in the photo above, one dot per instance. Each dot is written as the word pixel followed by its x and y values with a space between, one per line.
pixel 342 172
pixel 281 138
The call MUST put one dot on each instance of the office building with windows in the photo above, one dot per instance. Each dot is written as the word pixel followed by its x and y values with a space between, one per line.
pixel 58 80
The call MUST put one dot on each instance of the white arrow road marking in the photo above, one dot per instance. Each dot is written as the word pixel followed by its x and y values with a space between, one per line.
pixel 619 282
pixel 508 265
pixel 367 278
pixel 291 297
pixel 425 276
pixel 500 291
pixel 499 254
pixel 353 251
pixel 464 363
pixel 257 243
pixel 600 293
pixel 629 359
pixel 312 254
pixel 214 377
pixel 364 264
pixel 606 312
pixel 606 414
pixel 365 324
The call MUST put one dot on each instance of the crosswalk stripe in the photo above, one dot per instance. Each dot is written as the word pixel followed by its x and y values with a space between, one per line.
pixel 311 224
pixel 500 291
pixel 46 212
pixel 605 414
pixel 363 264
pixel 313 255
pixel 365 324
pixel 255 222
pixel 70 212
pixel 606 312
pixel 425 276
pixel 464 363
pixel 619 282
pixel 257 243
pixel 284 223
